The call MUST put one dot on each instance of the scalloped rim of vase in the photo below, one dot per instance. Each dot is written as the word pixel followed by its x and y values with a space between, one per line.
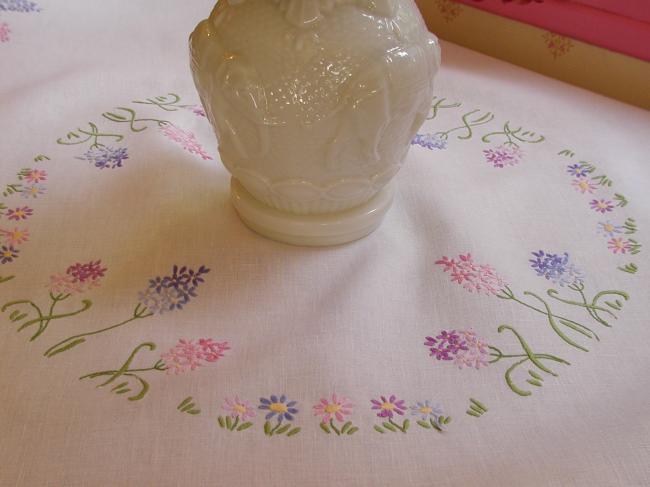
pixel 311 230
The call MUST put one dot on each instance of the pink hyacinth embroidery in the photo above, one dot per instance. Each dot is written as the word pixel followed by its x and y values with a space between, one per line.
pixel 189 355
pixel 504 155
pixel 472 276
pixel 4 32
pixel 186 140
pixel 78 278
pixel 463 347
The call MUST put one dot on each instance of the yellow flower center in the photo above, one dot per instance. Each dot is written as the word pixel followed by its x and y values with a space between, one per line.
pixel 19 213
pixel 332 408
pixel 17 234
pixel 426 410
pixel 388 406
pixel 609 227
pixel 583 185
pixel 6 253
pixel 278 407
pixel 241 409
pixel 602 204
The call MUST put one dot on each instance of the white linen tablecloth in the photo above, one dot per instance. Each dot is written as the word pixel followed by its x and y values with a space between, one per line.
pixel 501 308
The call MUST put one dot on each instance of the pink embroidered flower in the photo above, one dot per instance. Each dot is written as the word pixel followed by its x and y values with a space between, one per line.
pixel 18 214
pixel 196 110
pixel 472 276
pixel 61 284
pixel 91 271
pixel 185 355
pixel 189 355
pixel 476 353
pixel 186 140
pixel 35 176
pixel 239 409
pixel 388 407
pixel 584 185
pixel 4 32
pixel 15 236
pixel 619 245
pixel 337 407
pixel 211 350
pixel 504 155
pixel 601 206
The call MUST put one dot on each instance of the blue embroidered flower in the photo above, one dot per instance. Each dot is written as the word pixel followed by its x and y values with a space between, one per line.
pixel 278 406
pixel 430 141
pixel 426 410
pixel 106 157
pixel 577 170
pixel 167 293
pixel 18 6
pixel 556 268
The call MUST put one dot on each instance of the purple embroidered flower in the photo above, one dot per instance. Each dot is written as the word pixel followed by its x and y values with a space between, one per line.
pixel 196 110
pixel 4 32
pixel 445 345
pixel 18 6
pixel 425 410
pixel 90 271
pixel 18 214
pixel 8 253
pixel 33 191
pixel 167 293
pixel 601 206
pixel 504 155
pixel 472 276
pixel 388 407
pixel 609 229
pixel 278 406
pixel 430 141
pixel 186 140
pixel 556 268
pixel 106 157
pixel 577 170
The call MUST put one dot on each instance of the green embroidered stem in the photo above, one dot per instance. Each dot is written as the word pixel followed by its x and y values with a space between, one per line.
pixel 595 308
pixel 468 124
pixel 163 102
pixel 566 153
pixel 529 356
pixel 516 134
pixel 334 428
pixel 73 138
pixel 43 320
pixel 439 105
pixel 114 117
pixel 126 371
pixel 140 312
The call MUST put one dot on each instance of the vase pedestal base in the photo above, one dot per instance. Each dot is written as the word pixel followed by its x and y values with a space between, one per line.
pixel 311 230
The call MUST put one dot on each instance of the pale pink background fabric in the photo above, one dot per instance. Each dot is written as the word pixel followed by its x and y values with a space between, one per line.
pixel 309 322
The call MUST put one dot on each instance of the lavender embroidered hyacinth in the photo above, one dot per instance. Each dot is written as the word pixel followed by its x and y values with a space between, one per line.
pixel 430 141
pixel 557 268
pixel 464 347
pixel 168 293
pixel 18 6
pixel 106 157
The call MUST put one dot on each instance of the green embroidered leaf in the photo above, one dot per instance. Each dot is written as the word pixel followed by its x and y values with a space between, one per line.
pixel 228 422
pixel 267 428
pixel 346 426
pixel 185 402
pixel 378 429
pixel 473 413
pixel 70 345
pixel 435 424
pixel 622 200
pixel 283 429
pixel 447 420
pixel 389 427
pixel 405 425
pixel 194 411
pixel 294 431
pixel 352 430
pixel 325 428
pixel 478 403
pixel 534 382
pixel 222 422
pixel 424 424
pixel 245 426
pixel 474 407
pixel 535 375
pixel 120 385
pixel 13 315
pixel 629 268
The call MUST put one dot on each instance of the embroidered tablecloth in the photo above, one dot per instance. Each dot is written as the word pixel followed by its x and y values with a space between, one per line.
pixel 493 331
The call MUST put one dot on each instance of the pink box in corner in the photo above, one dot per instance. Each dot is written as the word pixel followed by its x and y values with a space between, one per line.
pixel 620 26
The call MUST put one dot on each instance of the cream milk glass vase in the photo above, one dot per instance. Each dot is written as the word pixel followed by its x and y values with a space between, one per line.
pixel 314 104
